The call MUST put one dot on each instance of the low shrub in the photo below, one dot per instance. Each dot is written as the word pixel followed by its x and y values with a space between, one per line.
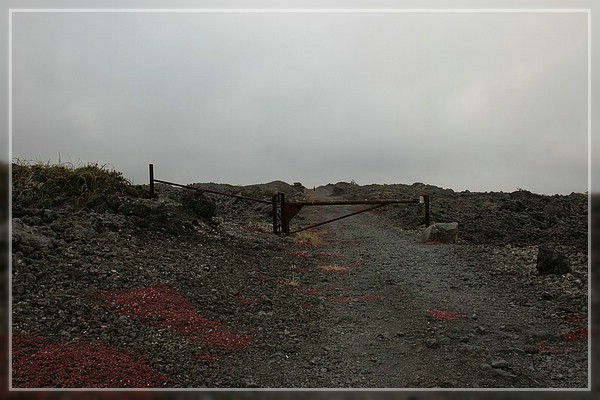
pixel 47 185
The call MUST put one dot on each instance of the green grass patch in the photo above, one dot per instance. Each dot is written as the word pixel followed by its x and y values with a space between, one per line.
pixel 46 185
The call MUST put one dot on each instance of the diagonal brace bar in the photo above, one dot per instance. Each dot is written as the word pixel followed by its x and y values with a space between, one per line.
pixel 338 218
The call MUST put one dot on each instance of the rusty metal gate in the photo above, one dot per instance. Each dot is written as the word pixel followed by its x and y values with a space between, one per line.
pixel 283 210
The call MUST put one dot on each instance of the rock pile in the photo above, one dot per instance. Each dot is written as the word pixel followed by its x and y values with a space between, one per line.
pixel 550 261
pixel 519 218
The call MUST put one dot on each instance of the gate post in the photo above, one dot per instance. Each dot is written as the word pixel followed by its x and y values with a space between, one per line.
pixel 151 172
pixel 425 199
pixel 285 223
pixel 275 211
pixel 279 225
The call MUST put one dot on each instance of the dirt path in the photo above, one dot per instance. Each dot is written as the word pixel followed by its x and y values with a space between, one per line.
pixel 406 314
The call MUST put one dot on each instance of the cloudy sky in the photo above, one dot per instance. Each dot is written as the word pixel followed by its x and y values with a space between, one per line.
pixel 465 100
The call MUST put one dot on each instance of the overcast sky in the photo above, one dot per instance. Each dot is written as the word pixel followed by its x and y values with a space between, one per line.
pixel 477 101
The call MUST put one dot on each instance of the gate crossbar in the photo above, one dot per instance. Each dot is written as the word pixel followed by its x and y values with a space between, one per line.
pixel 352 202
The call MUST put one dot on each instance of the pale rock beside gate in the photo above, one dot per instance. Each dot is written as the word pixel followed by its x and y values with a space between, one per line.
pixel 441 232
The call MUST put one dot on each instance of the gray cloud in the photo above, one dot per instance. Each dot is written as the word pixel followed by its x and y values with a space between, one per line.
pixel 478 101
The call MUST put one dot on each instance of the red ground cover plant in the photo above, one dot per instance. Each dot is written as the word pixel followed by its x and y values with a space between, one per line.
pixel 372 298
pixel 263 277
pixel 357 265
pixel 85 394
pixel 544 348
pixel 38 364
pixel 230 341
pixel 441 315
pixel 328 254
pixel 337 288
pixel 207 358
pixel 575 320
pixel 164 307
pixel 315 292
pixel 575 335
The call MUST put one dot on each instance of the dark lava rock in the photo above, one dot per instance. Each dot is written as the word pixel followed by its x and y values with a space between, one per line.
pixel 550 261
pixel 199 204
pixel 135 208
pixel 102 202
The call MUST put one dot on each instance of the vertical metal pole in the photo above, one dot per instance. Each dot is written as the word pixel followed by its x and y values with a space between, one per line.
pixel 275 219
pixel 426 210
pixel 285 224
pixel 151 171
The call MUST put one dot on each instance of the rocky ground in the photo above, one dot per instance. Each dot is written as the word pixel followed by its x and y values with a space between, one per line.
pixel 185 292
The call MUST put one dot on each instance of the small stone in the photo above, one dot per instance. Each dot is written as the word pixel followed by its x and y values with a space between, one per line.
pixel 540 335
pixel 432 343
pixel 262 313
pixel 546 296
pixel 250 383
pixel 500 364
pixel 481 330
pixel 503 373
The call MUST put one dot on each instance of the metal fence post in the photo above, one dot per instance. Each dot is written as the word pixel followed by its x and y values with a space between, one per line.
pixel 426 210
pixel 285 223
pixel 275 219
pixel 151 171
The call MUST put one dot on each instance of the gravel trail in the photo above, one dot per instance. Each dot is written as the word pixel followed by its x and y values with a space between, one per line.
pixel 447 315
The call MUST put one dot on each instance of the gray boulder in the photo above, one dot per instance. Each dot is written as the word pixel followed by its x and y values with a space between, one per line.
pixel 441 232
pixel 550 261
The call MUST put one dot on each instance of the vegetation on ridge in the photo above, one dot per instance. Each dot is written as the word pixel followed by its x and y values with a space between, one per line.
pixel 46 185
